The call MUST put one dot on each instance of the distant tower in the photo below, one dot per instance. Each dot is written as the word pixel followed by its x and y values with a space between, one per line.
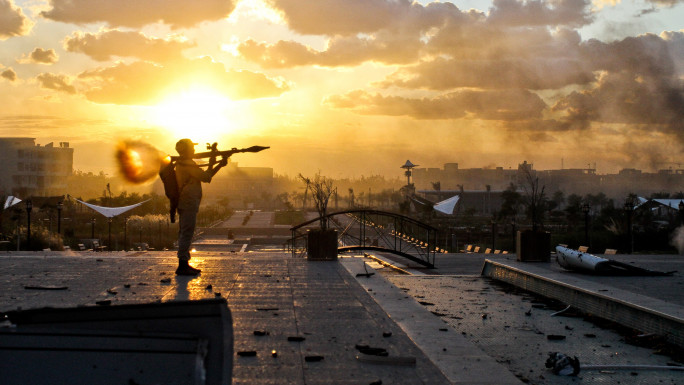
pixel 408 166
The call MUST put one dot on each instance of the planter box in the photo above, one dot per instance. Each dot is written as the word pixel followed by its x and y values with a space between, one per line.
pixel 321 245
pixel 531 246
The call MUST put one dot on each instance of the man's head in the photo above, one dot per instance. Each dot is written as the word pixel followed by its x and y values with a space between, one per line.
pixel 185 147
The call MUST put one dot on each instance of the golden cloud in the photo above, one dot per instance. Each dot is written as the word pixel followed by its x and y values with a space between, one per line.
pixel 107 44
pixel 56 82
pixel 137 13
pixel 144 83
pixel 12 20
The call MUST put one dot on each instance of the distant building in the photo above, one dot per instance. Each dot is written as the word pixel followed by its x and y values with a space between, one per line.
pixel 570 181
pixel 244 187
pixel 31 169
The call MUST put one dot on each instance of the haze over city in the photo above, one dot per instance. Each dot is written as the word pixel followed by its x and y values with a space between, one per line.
pixel 351 87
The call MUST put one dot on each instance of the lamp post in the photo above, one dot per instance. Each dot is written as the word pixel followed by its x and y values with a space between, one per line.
pixel 60 206
pixel 29 207
pixel 493 234
pixel 125 231
pixel 92 229
pixel 585 209
pixel 109 244
pixel 681 213
pixel 629 208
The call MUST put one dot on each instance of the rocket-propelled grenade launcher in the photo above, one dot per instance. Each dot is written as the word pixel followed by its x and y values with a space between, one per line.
pixel 213 153
pixel 167 171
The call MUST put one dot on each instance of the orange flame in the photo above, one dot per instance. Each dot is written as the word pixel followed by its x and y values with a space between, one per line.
pixel 138 161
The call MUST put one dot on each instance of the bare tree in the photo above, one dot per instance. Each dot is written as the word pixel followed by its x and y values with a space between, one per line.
pixel 321 190
pixel 534 198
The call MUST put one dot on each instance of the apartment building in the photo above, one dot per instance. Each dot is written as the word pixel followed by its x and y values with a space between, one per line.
pixel 30 169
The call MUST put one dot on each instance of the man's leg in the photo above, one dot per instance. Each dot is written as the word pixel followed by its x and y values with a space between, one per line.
pixel 186 229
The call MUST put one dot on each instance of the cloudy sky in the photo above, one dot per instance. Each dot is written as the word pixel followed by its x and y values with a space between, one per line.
pixel 352 87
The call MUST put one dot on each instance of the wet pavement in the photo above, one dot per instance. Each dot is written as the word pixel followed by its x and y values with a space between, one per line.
pixel 272 294
pixel 457 326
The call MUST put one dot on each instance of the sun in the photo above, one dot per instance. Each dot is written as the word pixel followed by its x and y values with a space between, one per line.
pixel 199 113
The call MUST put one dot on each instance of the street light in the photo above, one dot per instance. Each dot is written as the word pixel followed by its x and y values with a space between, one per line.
pixel 109 244
pixel 629 208
pixel 29 207
pixel 60 205
pixel 585 209
pixel 681 213
pixel 125 233
pixel 92 229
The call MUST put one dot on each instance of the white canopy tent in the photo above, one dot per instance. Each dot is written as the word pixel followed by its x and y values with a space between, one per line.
pixel 11 201
pixel 110 212
pixel 447 206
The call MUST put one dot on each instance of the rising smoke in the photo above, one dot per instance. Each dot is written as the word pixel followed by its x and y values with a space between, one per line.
pixel 678 239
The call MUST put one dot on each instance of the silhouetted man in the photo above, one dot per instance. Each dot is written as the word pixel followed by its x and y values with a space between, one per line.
pixel 189 177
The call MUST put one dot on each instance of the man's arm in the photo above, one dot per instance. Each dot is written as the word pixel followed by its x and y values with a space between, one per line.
pixel 212 170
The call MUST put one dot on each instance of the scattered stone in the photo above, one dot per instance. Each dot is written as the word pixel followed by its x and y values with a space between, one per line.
pixel 443 330
pixel 112 291
pixel 313 358
pixel 555 337
pixel 267 308
pixel 261 333
pixel 296 338
pixel 387 334
pixel 247 353
pixel 165 280
pixel 209 287
pixel 105 302
pixel 425 303
pixel 378 382
pixel 590 335
pixel 371 351
pixel 274 353
pixel 127 286
pixel 217 294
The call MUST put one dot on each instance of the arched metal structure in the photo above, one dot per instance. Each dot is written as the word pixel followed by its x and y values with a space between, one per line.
pixel 374 230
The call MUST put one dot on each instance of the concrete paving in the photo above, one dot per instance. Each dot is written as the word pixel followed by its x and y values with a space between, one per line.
pixel 434 317
pixel 270 293
pixel 512 325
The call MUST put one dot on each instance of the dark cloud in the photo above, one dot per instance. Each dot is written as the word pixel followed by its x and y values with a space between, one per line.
pixel 12 20
pixel 43 56
pixel 137 13
pixel 403 32
pixel 487 105
pixel 340 17
pixel 575 13
pixel 56 82
pixel 341 51
pixel 535 73
pixel 144 83
pixel 104 45
pixel 389 32
pixel 9 74
pixel 629 98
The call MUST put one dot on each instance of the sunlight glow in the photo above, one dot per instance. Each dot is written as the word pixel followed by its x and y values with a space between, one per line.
pixel 200 113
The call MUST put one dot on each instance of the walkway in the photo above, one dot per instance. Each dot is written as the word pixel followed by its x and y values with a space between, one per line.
pixel 269 293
